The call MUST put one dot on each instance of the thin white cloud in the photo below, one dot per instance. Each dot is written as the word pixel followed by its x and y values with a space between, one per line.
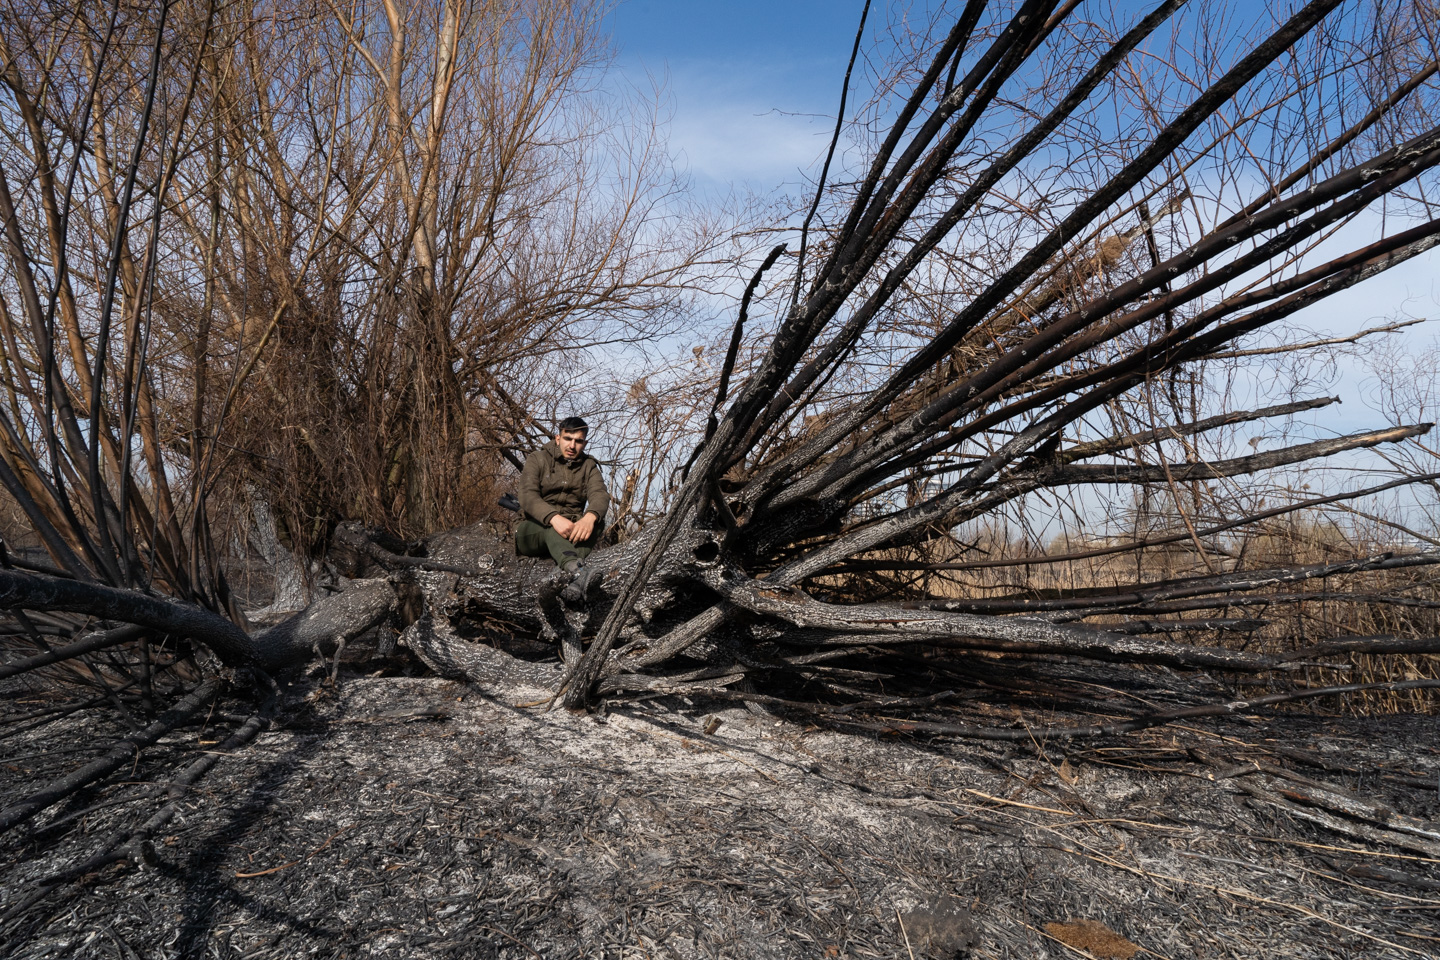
pixel 752 127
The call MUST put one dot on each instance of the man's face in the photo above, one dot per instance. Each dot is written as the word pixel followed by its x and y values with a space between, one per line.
pixel 571 443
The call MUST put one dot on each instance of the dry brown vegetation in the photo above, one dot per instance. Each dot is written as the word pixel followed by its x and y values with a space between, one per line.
pixel 1104 581
pixel 340 270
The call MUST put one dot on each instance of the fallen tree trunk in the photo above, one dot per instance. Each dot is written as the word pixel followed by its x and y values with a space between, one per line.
pixel 323 625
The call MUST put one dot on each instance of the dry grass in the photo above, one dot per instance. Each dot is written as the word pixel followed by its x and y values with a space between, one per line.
pixel 1278 619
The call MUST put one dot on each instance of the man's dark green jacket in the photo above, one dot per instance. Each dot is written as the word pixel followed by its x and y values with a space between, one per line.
pixel 549 485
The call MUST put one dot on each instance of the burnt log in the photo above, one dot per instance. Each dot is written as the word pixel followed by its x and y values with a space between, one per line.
pixel 323 625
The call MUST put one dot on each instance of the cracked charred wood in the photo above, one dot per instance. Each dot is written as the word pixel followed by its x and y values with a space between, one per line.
pixel 1184 472
pixel 1338 800
pixel 1122 443
pixel 1183 626
pixel 434 641
pixel 872 623
pixel 1366 645
pixel 1316 761
pixel 23 591
pixel 1091 731
pixel 1321 808
pixel 323 624
pixel 1279 599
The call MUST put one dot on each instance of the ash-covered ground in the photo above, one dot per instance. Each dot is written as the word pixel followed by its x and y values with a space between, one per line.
pixel 412 817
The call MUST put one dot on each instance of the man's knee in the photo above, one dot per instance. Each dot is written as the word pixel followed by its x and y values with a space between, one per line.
pixel 534 540
pixel 530 540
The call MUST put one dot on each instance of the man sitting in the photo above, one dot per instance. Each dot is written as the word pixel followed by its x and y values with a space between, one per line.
pixel 562 505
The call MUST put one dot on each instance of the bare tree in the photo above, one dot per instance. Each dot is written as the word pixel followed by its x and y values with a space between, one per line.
pixel 350 236
pixel 454 209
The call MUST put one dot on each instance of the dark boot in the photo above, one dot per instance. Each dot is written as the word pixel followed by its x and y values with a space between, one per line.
pixel 587 578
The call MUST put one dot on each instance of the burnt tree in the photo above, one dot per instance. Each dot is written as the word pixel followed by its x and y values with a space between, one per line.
pixel 1011 297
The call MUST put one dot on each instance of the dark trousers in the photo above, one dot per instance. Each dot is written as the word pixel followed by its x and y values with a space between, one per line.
pixel 533 540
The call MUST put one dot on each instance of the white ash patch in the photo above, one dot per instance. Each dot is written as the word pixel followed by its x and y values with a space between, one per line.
pixel 509 831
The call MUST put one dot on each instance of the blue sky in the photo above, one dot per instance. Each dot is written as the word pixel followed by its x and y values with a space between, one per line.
pixel 682 29
pixel 752 86
pixel 751 89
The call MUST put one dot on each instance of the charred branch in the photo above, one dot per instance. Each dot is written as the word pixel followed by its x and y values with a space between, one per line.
pixel 198 699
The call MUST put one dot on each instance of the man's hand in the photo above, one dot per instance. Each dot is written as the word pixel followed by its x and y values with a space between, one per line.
pixel 580 530
pixel 576 531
